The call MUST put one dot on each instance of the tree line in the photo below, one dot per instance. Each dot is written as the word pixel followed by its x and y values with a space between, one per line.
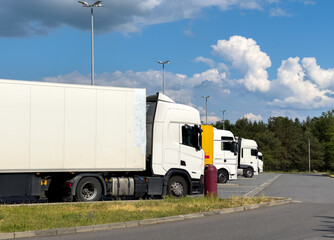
pixel 284 142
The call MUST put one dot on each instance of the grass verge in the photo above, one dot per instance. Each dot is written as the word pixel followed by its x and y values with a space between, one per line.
pixel 18 218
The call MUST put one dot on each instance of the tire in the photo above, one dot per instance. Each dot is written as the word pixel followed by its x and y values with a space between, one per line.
pixel 248 173
pixel 177 187
pixel 222 176
pixel 89 189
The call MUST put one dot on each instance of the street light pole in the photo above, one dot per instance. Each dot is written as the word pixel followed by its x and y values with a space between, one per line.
pixel 309 155
pixel 206 108
pixel 223 111
pixel 92 46
pixel 163 74
pixel 91 6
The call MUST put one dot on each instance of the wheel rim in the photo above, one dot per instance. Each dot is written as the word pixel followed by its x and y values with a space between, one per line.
pixel 221 177
pixel 89 191
pixel 176 188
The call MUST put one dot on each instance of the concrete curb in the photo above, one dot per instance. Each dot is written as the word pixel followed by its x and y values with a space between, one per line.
pixel 145 222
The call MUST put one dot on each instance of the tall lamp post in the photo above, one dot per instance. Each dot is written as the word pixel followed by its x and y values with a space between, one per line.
pixel 223 111
pixel 163 74
pixel 91 6
pixel 206 108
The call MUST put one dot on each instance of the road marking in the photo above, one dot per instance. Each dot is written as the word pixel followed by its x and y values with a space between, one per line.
pixel 257 190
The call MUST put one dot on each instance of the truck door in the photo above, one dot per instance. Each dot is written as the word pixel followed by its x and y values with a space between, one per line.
pixel 191 153
pixel 229 157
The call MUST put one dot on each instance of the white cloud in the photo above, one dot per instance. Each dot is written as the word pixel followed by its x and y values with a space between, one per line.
pixel 188 33
pixel 211 75
pixel 246 56
pixel 207 61
pixel 309 2
pixel 183 96
pixel 323 78
pixel 211 119
pixel 302 92
pixel 279 12
pixel 253 117
pixel 151 80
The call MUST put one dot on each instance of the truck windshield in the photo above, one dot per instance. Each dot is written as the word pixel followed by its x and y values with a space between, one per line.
pixel 150 112
pixel 192 137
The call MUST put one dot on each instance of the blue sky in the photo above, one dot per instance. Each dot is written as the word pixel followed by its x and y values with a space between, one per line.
pixel 254 58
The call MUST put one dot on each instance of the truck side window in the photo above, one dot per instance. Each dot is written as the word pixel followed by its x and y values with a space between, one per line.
pixel 229 146
pixel 191 136
pixel 254 152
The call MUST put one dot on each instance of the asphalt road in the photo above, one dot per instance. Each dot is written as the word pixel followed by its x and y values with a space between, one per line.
pixel 242 186
pixel 310 217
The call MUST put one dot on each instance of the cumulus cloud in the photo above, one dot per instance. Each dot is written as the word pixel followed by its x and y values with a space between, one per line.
pixel 246 56
pixel 302 92
pixel 253 117
pixel 211 75
pixel 323 78
pixel 207 61
pixel 20 18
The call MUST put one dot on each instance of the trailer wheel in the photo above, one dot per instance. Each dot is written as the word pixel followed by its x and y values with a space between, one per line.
pixel 88 189
pixel 222 176
pixel 177 186
pixel 248 173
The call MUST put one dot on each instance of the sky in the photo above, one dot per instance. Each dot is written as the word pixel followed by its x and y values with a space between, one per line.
pixel 255 58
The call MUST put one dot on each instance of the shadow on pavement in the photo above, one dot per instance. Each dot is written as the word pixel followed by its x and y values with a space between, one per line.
pixel 327 226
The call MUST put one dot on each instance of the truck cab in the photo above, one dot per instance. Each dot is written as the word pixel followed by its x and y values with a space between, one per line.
pixel 174 148
pixel 247 157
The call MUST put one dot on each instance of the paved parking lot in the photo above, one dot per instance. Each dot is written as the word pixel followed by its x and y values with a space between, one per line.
pixel 243 186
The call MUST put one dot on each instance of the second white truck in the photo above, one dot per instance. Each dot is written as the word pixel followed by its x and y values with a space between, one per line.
pixel 221 151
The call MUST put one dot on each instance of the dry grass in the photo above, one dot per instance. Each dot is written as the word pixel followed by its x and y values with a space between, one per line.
pixel 37 217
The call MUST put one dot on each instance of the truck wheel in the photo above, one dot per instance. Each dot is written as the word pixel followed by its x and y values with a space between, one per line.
pixel 88 189
pixel 248 173
pixel 177 186
pixel 222 176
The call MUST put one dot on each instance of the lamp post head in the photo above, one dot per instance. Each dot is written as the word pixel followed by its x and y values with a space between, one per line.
pixel 161 62
pixel 96 4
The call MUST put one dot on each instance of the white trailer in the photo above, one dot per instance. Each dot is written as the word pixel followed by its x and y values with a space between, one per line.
pixel 80 141
pixel 220 150
pixel 247 157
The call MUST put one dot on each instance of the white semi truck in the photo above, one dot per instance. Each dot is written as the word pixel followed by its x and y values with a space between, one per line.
pixel 82 142
pixel 221 151
pixel 247 157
